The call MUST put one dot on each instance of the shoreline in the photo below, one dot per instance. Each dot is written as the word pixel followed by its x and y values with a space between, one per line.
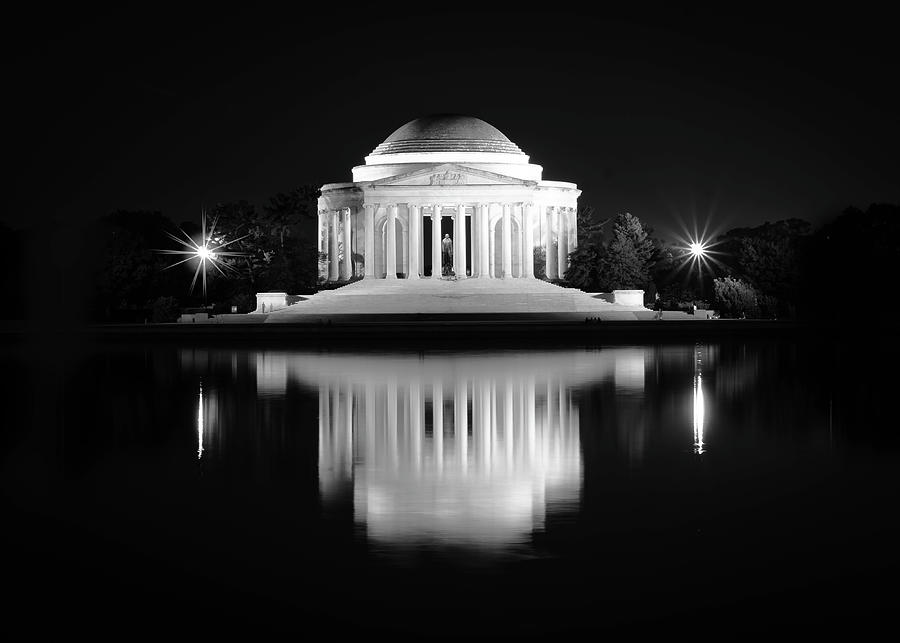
pixel 440 332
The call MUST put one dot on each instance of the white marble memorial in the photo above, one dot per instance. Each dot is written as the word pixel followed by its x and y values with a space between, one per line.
pixel 446 174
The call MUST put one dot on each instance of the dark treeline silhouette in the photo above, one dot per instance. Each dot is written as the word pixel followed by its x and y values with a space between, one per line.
pixel 782 269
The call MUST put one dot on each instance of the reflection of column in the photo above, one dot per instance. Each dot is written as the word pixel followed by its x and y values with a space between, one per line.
pixel 505 242
pixel 347 263
pixel 436 242
pixel 324 413
pixel 437 423
pixel 563 414
pixel 370 241
pixel 550 429
pixel 391 242
pixel 392 421
pixel 485 402
pixel 461 423
pixel 333 273
pixel 508 422
pixel 415 423
pixel 415 222
pixel 529 418
pixel 370 420
pixel 550 265
pixel 348 428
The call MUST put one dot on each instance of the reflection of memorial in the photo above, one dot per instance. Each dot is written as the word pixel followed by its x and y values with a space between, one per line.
pixel 463 449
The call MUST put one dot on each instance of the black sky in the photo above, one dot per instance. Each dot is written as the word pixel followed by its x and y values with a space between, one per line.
pixel 733 117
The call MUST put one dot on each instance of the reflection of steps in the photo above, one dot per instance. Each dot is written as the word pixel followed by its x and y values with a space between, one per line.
pixel 449 297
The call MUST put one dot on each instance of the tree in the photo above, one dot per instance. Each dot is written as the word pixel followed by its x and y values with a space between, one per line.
pixel 126 272
pixel 735 298
pixel 629 255
pixel 585 262
pixel 769 258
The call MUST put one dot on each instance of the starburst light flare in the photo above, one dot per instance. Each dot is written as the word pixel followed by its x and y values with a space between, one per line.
pixel 205 252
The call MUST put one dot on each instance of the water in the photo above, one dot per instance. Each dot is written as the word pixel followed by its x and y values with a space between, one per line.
pixel 711 489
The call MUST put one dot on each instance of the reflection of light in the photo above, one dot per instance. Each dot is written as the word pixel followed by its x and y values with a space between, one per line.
pixel 200 424
pixel 699 407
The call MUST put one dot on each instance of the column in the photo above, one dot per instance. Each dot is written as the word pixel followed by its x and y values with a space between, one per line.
pixel 562 253
pixel 484 270
pixel 459 244
pixel 550 264
pixel 523 244
pixel 529 240
pixel 505 243
pixel 370 241
pixel 391 242
pixel 333 274
pixel 320 220
pixel 573 229
pixel 436 242
pixel 347 263
pixel 414 224
pixel 474 231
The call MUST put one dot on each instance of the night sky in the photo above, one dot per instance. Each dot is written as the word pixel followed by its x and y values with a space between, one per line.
pixel 731 118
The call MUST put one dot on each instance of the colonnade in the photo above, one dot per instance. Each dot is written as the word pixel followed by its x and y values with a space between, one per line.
pixel 502 244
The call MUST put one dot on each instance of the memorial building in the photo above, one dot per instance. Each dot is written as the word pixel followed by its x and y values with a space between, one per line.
pixel 447 216
pixel 446 177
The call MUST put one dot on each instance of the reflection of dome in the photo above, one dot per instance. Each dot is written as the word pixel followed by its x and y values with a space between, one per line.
pixel 447 133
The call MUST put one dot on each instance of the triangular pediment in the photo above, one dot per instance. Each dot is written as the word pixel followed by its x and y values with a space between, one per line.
pixel 449 174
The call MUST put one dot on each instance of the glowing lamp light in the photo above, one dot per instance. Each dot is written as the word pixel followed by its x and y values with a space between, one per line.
pixel 697 249
pixel 202 251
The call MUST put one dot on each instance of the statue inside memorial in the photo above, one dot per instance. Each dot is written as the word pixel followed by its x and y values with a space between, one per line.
pixel 447 256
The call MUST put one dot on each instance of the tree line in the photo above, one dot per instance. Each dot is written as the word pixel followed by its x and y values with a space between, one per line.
pixel 781 269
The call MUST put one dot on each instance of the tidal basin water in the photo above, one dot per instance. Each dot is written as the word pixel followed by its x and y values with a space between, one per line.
pixel 716 489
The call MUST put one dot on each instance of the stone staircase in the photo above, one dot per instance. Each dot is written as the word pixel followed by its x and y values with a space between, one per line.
pixel 481 297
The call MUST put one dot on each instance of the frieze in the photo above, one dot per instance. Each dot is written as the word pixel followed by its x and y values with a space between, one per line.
pixel 448 178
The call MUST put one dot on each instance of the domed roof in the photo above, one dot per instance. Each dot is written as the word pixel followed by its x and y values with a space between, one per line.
pixel 447 133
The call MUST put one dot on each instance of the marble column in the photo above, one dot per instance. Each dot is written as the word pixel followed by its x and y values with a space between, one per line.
pixel 459 244
pixel 415 223
pixel 562 254
pixel 370 241
pixel 347 263
pixel 505 242
pixel 320 219
pixel 391 243
pixel 484 270
pixel 527 213
pixel 550 264
pixel 436 242
pixel 333 274
pixel 573 229
pixel 523 244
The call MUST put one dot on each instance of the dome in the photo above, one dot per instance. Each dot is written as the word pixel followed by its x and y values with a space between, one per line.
pixel 447 133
